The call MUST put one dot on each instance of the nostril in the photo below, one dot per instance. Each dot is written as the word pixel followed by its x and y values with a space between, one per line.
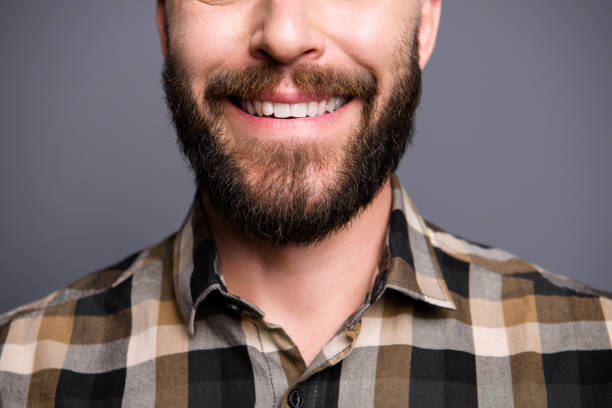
pixel 280 57
pixel 265 55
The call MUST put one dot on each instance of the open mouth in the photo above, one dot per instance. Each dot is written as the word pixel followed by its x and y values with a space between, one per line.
pixel 256 107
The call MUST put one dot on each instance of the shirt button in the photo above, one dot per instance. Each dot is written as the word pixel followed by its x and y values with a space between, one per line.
pixel 296 399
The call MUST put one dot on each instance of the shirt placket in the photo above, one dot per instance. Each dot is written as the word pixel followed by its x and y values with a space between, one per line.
pixel 306 387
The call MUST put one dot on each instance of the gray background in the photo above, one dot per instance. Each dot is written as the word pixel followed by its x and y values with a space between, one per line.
pixel 512 146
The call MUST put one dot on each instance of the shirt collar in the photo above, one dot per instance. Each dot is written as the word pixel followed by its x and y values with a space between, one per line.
pixel 412 268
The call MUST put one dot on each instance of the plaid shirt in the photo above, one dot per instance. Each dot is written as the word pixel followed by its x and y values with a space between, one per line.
pixel 446 323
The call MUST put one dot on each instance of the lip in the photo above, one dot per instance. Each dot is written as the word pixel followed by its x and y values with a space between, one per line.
pixel 272 127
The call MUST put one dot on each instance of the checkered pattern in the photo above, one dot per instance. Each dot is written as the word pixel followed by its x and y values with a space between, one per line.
pixel 447 323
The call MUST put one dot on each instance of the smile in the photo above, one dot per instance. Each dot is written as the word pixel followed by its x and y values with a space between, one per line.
pixel 256 107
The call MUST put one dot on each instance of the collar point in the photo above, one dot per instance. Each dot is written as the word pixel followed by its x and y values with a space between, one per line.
pixel 191 323
pixel 444 303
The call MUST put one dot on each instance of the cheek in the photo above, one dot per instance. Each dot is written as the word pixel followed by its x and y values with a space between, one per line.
pixel 203 48
pixel 372 34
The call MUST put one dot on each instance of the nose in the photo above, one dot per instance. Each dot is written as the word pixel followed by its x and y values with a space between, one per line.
pixel 286 32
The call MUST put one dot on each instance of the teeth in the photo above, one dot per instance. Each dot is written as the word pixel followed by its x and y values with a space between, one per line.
pixel 299 110
pixel 339 102
pixel 282 110
pixel 313 108
pixel 296 110
pixel 268 108
pixel 258 107
pixel 250 107
pixel 322 105
pixel 331 104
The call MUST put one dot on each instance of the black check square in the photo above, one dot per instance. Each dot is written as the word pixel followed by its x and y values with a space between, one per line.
pixel 455 273
pixel 89 390
pixel 221 378
pixel 399 245
pixel 108 302
pixel 448 374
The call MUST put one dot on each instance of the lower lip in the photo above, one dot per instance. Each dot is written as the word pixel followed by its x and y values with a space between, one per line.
pixel 271 123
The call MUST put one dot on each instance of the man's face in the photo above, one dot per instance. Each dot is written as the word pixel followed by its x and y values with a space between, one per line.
pixel 292 113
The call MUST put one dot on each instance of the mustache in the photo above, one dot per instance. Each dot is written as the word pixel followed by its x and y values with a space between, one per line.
pixel 309 79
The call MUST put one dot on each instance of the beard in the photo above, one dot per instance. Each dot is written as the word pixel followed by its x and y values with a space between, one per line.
pixel 292 192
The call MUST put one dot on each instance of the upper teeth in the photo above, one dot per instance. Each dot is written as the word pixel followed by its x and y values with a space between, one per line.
pixel 296 110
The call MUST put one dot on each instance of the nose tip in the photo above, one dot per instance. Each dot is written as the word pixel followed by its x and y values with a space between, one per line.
pixel 286 33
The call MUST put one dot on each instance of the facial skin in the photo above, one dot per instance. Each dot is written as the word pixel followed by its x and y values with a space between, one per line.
pixel 295 180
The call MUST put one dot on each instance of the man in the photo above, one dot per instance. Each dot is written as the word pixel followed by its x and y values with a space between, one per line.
pixel 303 275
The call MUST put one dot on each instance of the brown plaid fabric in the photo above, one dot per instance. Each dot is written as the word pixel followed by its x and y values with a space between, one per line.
pixel 446 323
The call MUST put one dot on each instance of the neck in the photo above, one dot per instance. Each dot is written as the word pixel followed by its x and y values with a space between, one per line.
pixel 308 291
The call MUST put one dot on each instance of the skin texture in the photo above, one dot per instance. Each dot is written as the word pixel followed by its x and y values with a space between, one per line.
pixel 291 284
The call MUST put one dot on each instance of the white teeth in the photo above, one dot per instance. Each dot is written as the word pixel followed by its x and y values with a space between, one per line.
pixel 322 106
pixel 296 110
pixel 313 108
pixel 331 104
pixel 339 102
pixel 299 110
pixel 268 108
pixel 250 107
pixel 258 107
pixel 282 110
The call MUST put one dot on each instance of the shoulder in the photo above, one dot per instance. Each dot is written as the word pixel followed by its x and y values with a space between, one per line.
pixel 504 290
pixel 96 293
pixel 549 336
pixel 496 264
pixel 80 331
pixel 90 285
